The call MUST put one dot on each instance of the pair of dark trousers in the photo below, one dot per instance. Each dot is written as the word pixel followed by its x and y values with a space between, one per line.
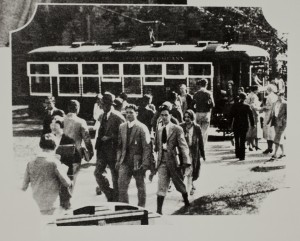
pixel 125 174
pixel 104 160
pixel 240 139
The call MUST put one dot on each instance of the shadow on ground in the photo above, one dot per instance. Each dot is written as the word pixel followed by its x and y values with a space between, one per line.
pixel 243 199
pixel 267 169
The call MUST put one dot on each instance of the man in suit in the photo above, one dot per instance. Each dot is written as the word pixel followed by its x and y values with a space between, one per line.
pixel 50 112
pixel 204 103
pixel 239 115
pixel 169 142
pixel 133 155
pixel 106 146
pixel 76 128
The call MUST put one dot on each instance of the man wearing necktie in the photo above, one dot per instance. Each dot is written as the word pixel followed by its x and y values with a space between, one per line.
pixel 106 145
pixel 133 155
pixel 169 142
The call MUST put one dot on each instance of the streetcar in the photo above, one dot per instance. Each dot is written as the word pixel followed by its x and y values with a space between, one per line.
pixel 82 70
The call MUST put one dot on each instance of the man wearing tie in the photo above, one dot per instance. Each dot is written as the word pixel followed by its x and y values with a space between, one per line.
pixel 169 142
pixel 133 155
pixel 106 146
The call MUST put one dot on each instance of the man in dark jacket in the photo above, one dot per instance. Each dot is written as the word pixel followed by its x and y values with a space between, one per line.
pixel 106 146
pixel 239 116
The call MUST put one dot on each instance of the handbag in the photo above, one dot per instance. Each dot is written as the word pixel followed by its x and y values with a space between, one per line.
pixel 66 150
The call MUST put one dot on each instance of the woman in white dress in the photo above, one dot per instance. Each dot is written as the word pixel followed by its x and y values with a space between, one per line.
pixel 268 130
pixel 255 132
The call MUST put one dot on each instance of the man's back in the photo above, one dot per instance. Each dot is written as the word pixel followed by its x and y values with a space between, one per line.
pixel 145 116
pixel 241 114
pixel 203 100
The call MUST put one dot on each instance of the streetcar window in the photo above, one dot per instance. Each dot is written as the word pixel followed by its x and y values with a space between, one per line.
pixel 132 86
pixel 153 69
pixel 40 84
pixel 199 69
pixel 69 85
pixel 110 69
pixel 153 80
pixel 132 69
pixel 68 69
pixel 175 69
pixel 90 69
pixel 90 85
pixel 39 69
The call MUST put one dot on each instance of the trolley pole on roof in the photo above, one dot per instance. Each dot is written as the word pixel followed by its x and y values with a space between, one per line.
pixel 154 34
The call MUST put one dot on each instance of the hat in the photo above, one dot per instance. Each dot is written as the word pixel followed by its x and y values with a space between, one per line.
pixel 118 102
pixel 108 98
pixel 230 82
pixel 242 96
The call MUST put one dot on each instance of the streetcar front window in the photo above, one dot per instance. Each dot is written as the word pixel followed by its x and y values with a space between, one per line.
pixel 110 69
pixel 90 69
pixel 69 85
pixel 90 85
pixel 199 69
pixel 175 69
pixel 133 86
pixel 153 69
pixel 39 69
pixel 40 84
pixel 68 69
pixel 132 69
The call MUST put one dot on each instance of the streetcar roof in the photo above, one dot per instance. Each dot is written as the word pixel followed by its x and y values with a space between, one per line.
pixel 249 50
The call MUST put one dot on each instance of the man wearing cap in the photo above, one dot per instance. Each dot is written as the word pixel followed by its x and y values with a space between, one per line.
pixel 204 103
pixel 106 146
pixel 133 155
pixel 50 111
pixel 77 129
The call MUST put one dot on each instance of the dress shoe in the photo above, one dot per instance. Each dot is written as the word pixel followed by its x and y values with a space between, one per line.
pixel 98 191
pixel 267 151
pixel 242 159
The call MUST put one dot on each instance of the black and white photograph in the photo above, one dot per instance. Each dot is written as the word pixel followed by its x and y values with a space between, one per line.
pixel 152 113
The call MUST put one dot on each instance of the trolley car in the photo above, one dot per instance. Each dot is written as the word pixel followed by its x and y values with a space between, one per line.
pixel 83 70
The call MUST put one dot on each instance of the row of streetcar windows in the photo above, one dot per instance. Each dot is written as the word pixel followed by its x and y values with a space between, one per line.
pixel 77 79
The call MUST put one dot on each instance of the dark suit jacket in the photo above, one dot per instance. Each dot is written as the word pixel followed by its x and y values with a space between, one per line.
pixel 239 115
pixel 114 121
pixel 196 149
pixel 138 146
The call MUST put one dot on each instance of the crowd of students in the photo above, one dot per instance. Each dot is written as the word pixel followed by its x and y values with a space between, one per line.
pixel 130 140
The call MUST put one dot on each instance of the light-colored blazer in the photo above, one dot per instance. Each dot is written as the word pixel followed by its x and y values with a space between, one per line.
pixel 175 139
pixel 282 114
pixel 77 129
pixel 138 146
